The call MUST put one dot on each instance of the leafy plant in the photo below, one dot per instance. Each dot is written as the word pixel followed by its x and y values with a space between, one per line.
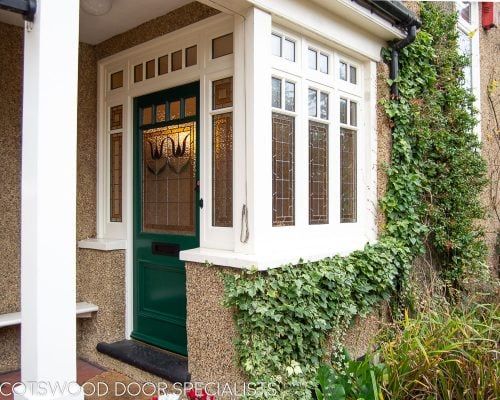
pixel 445 354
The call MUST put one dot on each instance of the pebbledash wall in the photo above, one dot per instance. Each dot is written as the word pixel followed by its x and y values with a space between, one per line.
pixel 101 275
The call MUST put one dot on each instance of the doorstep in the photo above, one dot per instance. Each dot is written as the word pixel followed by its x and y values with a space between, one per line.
pixel 164 364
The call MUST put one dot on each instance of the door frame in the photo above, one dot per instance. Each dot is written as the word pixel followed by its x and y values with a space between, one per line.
pixel 154 97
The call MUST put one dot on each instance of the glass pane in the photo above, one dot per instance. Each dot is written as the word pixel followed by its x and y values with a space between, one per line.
pixel 169 179
pixel 116 177
pixel 312 56
pixel 175 109
pixel 190 106
pixel 289 49
pixel 138 73
pixel 343 111
pixel 283 150
pixel 163 65
pixel 222 46
pixel 465 10
pixel 318 173
pixel 276 88
pixel 343 71
pixel 222 170
pixel 176 60
pixel 147 115
pixel 323 63
pixel 348 180
pixel 150 69
pixel 160 112
pixel 115 117
pixel 276 45
pixel 352 74
pixel 116 80
pixel 323 105
pixel 289 96
pixel 353 111
pixel 222 93
pixel 312 99
pixel 191 56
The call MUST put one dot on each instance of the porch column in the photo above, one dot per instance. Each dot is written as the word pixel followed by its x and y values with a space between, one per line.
pixel 252 71
pixel 48 203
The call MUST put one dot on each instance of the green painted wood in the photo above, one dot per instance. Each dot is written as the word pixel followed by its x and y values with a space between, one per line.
pixel 160 280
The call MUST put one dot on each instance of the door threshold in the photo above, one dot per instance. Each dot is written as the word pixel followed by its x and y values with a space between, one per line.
pixel 164 364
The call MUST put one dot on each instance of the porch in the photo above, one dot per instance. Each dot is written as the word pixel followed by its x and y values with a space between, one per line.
pixel 176 94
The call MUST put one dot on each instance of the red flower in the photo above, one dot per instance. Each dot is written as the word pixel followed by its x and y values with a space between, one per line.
pixel 192 394
pixel 154 398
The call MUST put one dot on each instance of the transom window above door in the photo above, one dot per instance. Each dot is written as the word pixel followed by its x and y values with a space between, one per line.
pixel 168 111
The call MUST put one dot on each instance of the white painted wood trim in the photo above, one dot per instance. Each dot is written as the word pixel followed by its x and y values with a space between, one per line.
pixel 103 244
pixel 83 310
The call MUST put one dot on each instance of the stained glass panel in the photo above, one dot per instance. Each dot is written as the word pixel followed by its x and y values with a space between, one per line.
pixel 318 173
pixel 348 176
pixel 283 150
pixel 175 109
pixel 160 113
pixel 116 177
pixel 222 170
pixel 190 106
pixel 222 93
pixel 169 179
pixel 116 80
pixel 116 117
pixel 147 115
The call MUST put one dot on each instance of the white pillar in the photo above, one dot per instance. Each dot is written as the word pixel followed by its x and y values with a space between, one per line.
pixel 48 205
pixel 253 46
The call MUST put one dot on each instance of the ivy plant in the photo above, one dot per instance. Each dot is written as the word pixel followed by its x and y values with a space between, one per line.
pixel 285 316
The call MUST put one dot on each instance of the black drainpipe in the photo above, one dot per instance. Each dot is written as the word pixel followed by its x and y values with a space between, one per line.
pixel 398 15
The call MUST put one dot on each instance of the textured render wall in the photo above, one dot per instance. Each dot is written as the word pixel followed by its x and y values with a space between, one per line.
pixel 11 73
pixel 489 42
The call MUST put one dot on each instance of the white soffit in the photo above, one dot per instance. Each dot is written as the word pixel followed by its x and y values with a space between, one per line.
pixel 124 15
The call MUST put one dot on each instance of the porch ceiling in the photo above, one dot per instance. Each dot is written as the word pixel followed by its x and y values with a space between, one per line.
pixel 124 15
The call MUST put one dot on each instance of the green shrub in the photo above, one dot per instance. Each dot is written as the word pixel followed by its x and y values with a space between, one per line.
pixel 445 354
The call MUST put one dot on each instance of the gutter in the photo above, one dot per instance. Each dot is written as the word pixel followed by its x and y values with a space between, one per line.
pixel 397 14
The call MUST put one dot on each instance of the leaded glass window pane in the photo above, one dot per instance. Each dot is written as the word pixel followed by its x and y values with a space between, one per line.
pixel 289 96
pixel 283 150
pixel 116 117
pixel 175 109
pixel 348 176
pixel 116 80
pixel 222 170
pixel 222 93
pixel 276 90
pixel 318 173
pixel 116 177
pixel 312 100
pixel 190 106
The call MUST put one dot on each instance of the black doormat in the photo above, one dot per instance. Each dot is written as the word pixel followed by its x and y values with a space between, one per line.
pixel 169 366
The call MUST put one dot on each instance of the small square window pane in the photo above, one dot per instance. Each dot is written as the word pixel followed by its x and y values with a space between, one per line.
pixel 276 89
pixel 312 56
pixel 222 93
pixel 150 69
pixel 175 109
pixel 352 74
pixel 353 114
pixel 289 96
pixel 323 63
pixel 160 112
pixel 147 115
pixel 116 80
pixel 163 65
pixel 190 106
pixel 323 105
pixel 289 49
pixel 116 120
pixel 191 56
pixel 276 45
pixel 313 101
pixel 343 111
pixel 138 73
pixel 176 60
pixel 343 71
pixel 222 46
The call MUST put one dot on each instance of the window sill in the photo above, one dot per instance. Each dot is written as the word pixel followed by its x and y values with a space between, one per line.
pixel 103 244
pixel 227 258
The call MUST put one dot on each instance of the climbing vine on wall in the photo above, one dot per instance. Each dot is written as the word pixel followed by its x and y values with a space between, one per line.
pixel 285 316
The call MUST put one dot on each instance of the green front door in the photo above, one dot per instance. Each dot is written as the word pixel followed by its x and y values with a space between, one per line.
pixel 166 212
